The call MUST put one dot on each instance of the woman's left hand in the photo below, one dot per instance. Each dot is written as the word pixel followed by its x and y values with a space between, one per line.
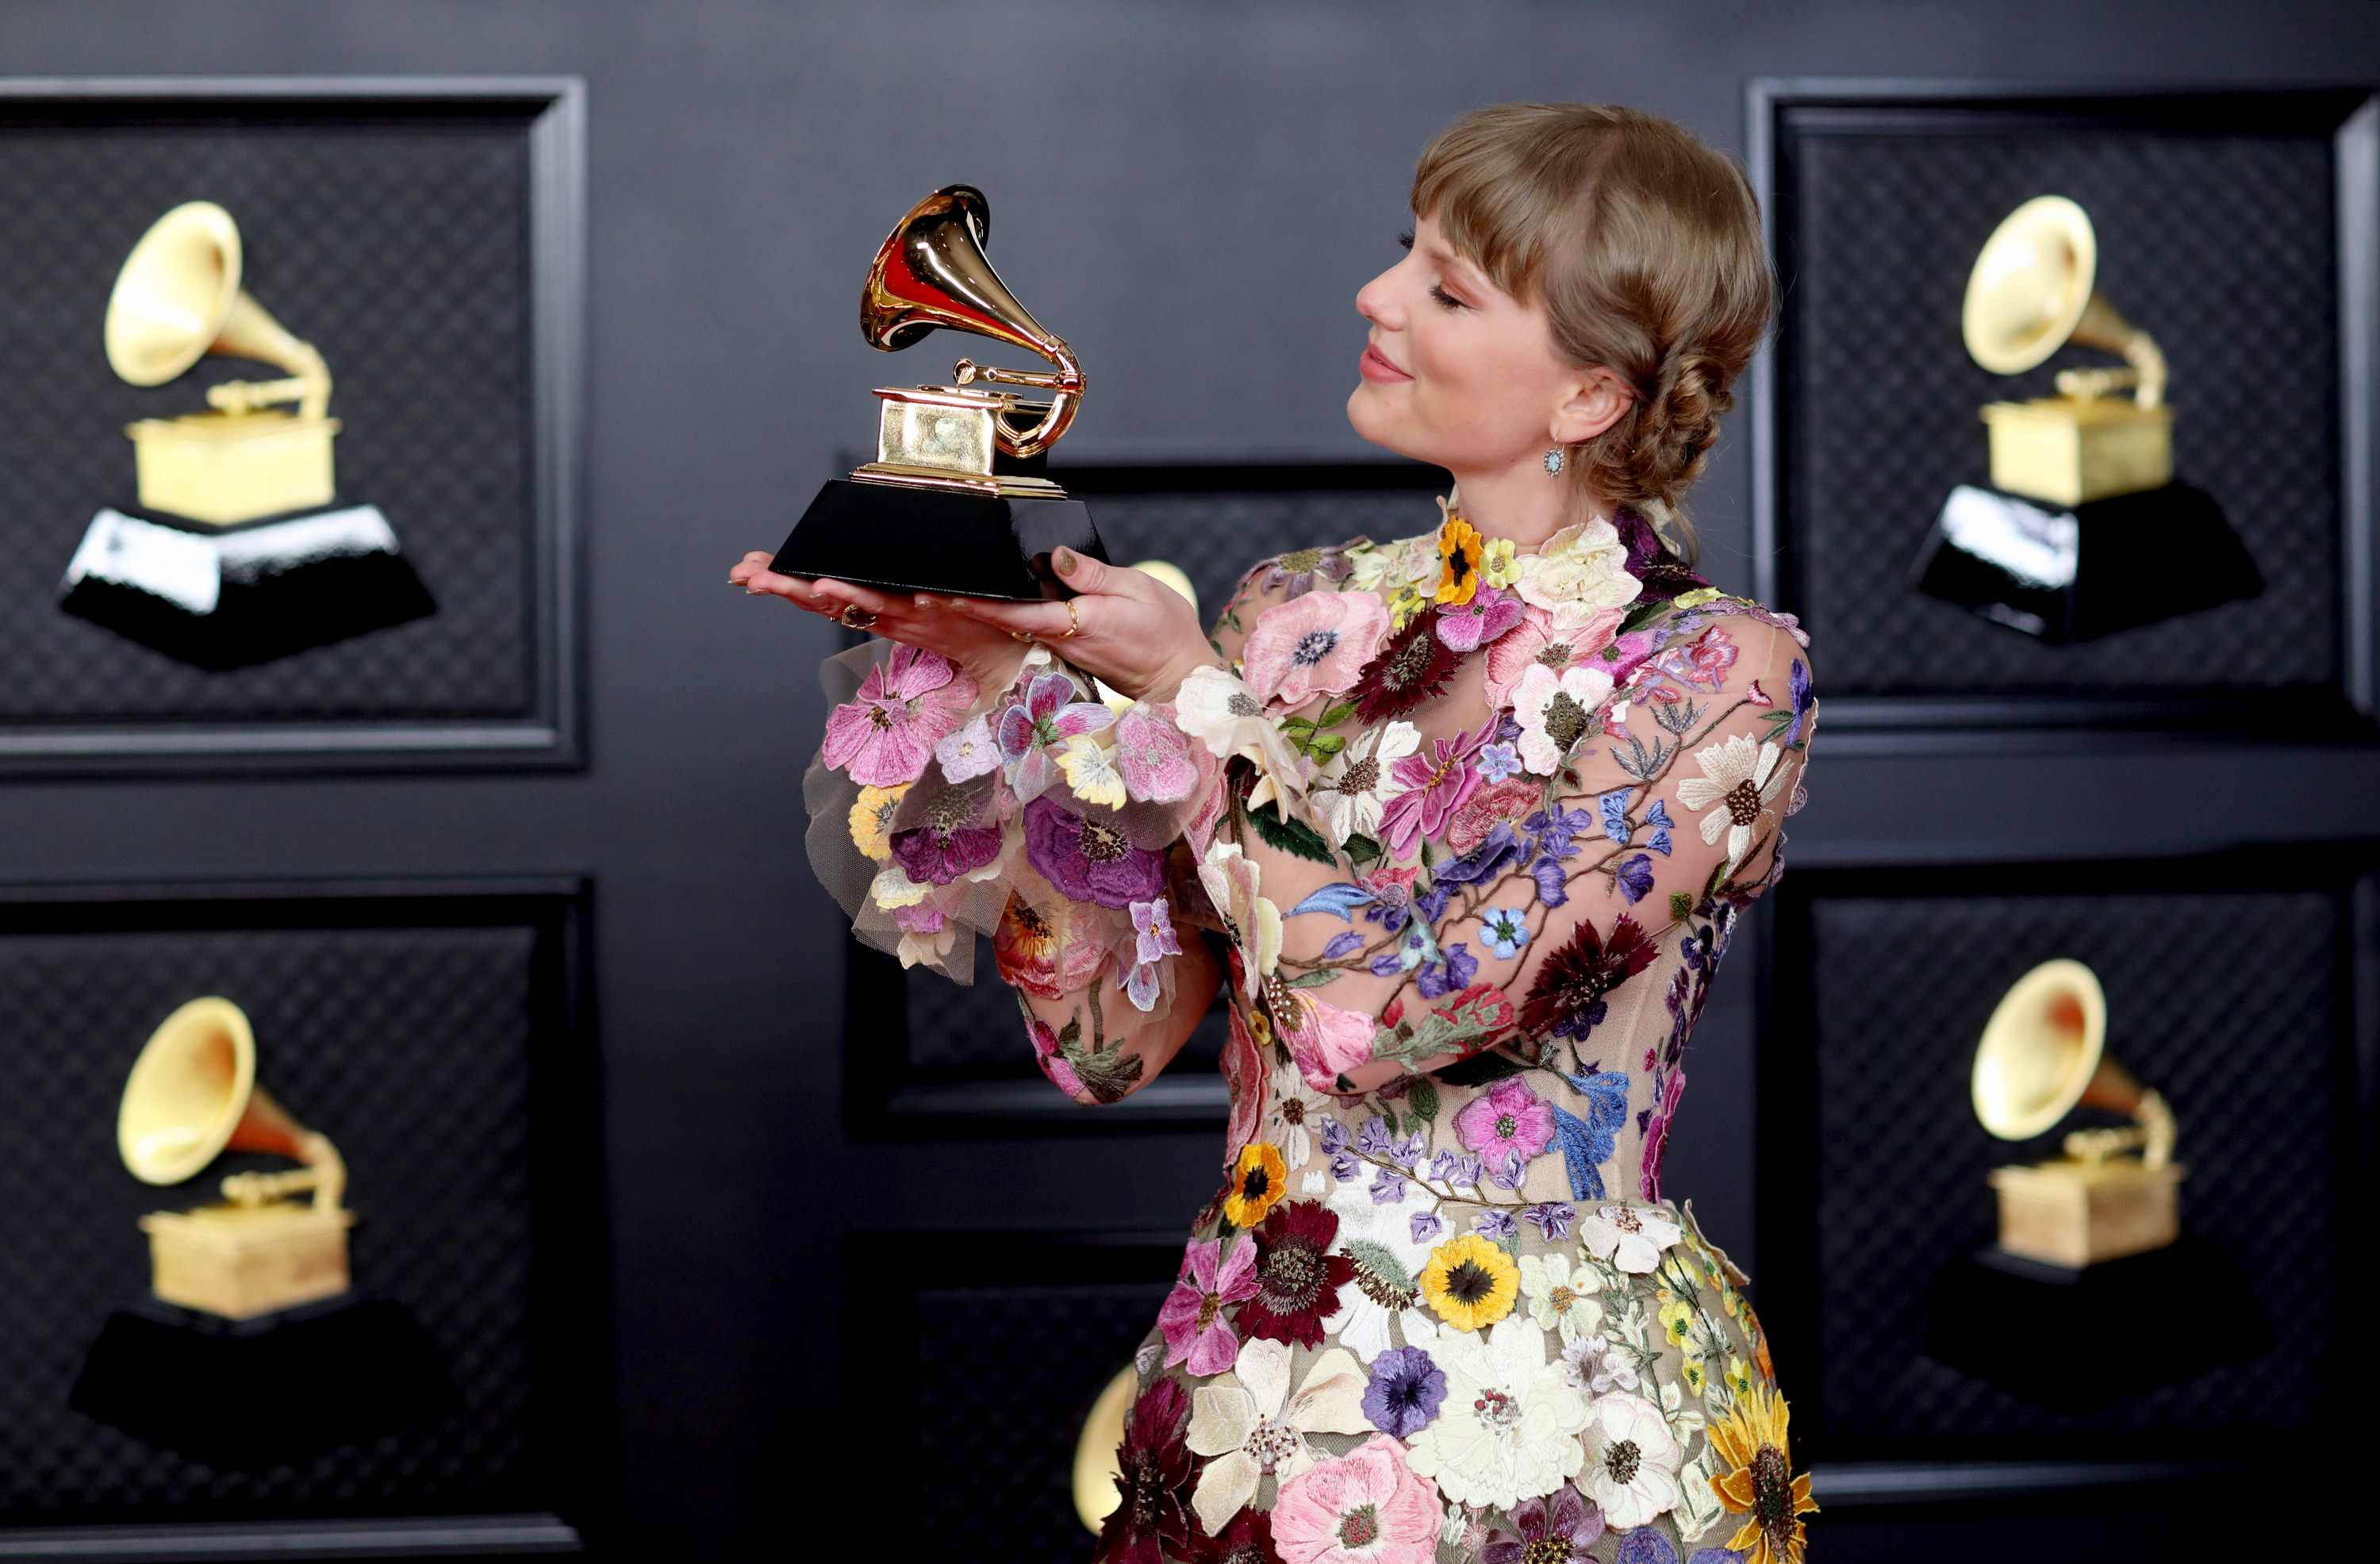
pixel 990 655
pixel 1139 636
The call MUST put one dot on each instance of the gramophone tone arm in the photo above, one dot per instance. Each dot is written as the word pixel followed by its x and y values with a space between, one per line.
pixel 1066 389
pixel 966 372
pixel 247 396
pixel 2151 1130
pixel 325 1173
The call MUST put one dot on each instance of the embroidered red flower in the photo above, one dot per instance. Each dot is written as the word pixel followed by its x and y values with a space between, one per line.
pixel 1411 669
pixel 1297 1278
pixel 1567 997
pixel 1154 1470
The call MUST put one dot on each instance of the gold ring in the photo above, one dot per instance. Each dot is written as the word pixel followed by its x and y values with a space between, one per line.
pixel 1020 635
pixel 855 617
pixel 1074 619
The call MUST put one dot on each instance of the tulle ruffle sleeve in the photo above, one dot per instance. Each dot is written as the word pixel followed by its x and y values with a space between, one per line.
pixel 1064 828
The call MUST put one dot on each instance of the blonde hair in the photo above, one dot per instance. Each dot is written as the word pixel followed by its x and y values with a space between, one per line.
pixel 1644 244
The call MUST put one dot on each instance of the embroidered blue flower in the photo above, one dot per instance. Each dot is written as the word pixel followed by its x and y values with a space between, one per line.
pixel 1496 1224
pixel 1659 818
pixel 1586 1143
pixel 1342 945
pixel 1797 682
pixel 1551 1220
pixel 1498 761
pixel 1614 808
pixel 1406 1392
pixel 1504 932
pixel 1636 877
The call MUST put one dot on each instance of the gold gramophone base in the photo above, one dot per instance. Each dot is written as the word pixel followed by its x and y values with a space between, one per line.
pixel 997 485
pixel 2078 1213
pixel 240 1260
pixel 2070 450
pixel 227 468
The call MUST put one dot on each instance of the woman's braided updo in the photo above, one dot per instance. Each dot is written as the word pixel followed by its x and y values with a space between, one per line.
pixel 1643 245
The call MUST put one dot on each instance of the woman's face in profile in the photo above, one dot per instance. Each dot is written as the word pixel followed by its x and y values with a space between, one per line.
pixel 1455 370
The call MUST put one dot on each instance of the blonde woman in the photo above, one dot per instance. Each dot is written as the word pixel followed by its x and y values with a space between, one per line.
pixel 1462 823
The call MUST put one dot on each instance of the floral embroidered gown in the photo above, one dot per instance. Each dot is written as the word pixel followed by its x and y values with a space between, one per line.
pixel 1465 830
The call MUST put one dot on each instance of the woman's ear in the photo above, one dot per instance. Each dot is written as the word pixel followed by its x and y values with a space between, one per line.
pixel 1599 400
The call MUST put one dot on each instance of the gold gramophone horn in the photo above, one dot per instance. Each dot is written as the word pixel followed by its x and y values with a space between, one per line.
pixel 2044 1054
pixel 178 298
pixel 192 1096
pixel 932 272
pixel 2031 293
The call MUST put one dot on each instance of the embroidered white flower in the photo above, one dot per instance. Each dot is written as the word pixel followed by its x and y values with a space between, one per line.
pixel 1593 1366
pixel 1560 1299
pixel 1349 795
pixel 1582 570
pixel 1630 1236
pixel 931 949
pixel 1631 1462
pixel 1259 1427
pixel 1698 1508
pixel 1508 1427
pixel 970 752
pixel 1553 710
pixel 1252 922
pixel 892 888
pixel 1216 709
pixel 1091 772
pixel 1741 778
pixel 1293 1107
pixel 1378 1236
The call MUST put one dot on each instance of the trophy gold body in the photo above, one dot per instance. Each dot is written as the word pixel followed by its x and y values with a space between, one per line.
pixel 2084 530
pixel 239 549
pixel 950 503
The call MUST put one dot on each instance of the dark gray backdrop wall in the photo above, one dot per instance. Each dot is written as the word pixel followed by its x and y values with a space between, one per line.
pixel 1191 193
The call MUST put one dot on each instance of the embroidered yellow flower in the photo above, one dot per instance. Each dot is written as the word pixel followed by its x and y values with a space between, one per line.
pixel 1500 566
pixel 1091 772
pixel 1760 1483
pixel 1677 1321
pixel 871 821
pixel 1459 547
pixel 1697 597
pixel 1691 1370
pixel 1470 1283
pixel 1257 1183
pixel 893 888
pixel 1403 603
pixel 1737 1377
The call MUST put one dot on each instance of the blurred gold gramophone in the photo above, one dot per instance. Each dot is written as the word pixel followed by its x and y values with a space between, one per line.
pixel 2029 295
pixel 192 1096
pixel 2114 1192
pixel 970 524
pixel 177 299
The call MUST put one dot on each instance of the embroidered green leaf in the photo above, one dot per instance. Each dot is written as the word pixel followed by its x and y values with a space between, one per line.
pixel 1336 715
pixel 1682 907
pixel 1290 836
pixel 1107 1075
pixel 1375 1257
pixel 1361 848
pixel 1421 1097
pixel 1315 978
pixel 1071 1033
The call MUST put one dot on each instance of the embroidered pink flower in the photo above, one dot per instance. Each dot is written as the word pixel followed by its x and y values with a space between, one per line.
pixel 905 707
pixel 1368 1507
pixel 1703 661
pixel 1192 1318
pixel 1326 1041
pixel 1154 757
pixel 1310 645
pixel 1510 1118
pixel 1435 783
pixel 1046 1053
pixel 1534 640
pixel 1486 618
pixel 1047 715
pixel 1514 799
pixel 1657 1136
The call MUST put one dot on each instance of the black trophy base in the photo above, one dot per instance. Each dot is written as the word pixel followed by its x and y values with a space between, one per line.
pixel 928 540
pixel 229 597
pixel 2106 566
pixel 2074 1340
pixel 247 1394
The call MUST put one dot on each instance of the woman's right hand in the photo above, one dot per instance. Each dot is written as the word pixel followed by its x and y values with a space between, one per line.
pixel 989 655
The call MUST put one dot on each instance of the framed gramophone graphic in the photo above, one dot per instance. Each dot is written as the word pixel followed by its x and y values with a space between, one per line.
pixel 300 495
pixel 2066 422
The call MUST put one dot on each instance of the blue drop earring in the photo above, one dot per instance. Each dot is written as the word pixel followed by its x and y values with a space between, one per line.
pixel 1554 461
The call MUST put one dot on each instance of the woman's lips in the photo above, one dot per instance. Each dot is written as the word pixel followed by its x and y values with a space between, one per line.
pixel 1374 365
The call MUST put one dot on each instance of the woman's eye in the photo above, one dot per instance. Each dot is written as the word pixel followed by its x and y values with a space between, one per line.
pixel 1445 300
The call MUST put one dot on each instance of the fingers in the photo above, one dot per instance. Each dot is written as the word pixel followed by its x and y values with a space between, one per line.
pixel 1048 621
pixel 843 593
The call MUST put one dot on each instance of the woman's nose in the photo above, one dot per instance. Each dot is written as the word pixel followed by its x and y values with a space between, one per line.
pixel 1375 301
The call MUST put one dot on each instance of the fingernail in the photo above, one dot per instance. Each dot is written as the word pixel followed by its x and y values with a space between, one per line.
pixel 1065 561
pixel 925 603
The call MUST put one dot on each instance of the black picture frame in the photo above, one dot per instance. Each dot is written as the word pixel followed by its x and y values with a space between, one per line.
pixel 567 1418
pixel 538 723
pixel 1784 117
pixel 1803 1263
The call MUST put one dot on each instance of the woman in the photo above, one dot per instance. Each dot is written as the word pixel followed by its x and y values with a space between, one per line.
pixel 1463 823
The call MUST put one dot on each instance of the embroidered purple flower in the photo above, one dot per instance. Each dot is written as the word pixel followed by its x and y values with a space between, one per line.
pixel 1298 570
pixel 970 752
pixel 1090 859
pixel 1797 680
pixel 1456 1170
pixel 1406 1392
pixel 1152 927
pixel 1551 1220
pixel 1507 1119
pixel 1046 716
pixel 1426 1226
pixel 1495 1225
pixel 1498 761
pixel 1473 625
pixel 1634 876
pixel 1143 985
pixel 1439 979
pixel 1659 818
pixel 1558 1528
pixel 941 832
pixel 1388 1187
pixel 1504 932
pixel 1154 757
pixel 906 705
pixel 1510 1173
pixel 1192 1318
